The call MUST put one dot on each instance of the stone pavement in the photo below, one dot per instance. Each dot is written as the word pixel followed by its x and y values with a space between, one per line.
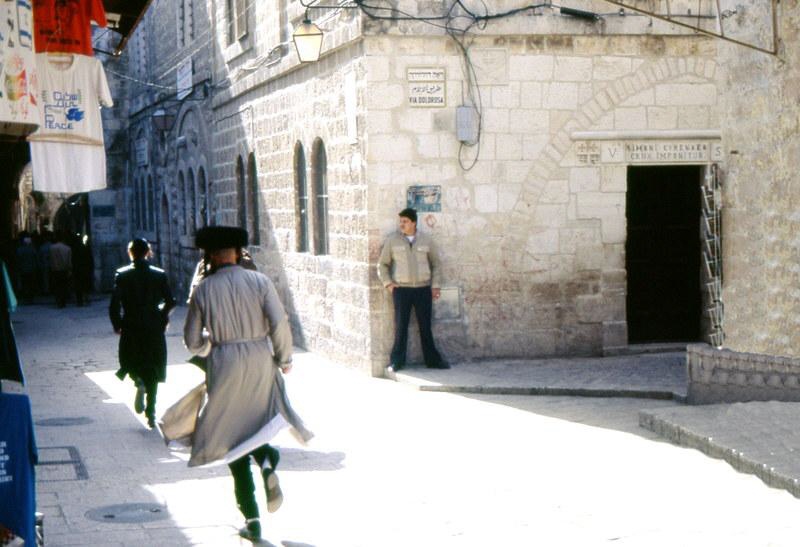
pixel 759 438
pixel 646 376
pixel 394 465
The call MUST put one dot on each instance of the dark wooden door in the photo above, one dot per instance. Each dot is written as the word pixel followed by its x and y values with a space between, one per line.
pixel 662 254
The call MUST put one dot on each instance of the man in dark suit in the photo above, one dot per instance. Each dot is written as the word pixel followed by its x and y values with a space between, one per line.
pixel 139 312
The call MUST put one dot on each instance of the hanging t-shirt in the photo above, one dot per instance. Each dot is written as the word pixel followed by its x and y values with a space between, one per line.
pixel 65 25
pixel 18 455
pixel 10 365
pixel 67 151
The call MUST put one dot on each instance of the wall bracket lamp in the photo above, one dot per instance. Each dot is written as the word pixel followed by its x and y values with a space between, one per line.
pixel 307 40
pixel 307 36
pixel 162 120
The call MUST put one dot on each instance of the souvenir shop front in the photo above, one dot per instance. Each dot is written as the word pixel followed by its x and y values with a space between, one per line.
pixel 51 89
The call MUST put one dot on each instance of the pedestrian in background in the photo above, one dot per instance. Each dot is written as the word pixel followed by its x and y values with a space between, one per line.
pixel 60 269
pixel 409 268
pixel 27 267
pixel 82 269
pixel 43 256
pixel 236 318
pixel 139 311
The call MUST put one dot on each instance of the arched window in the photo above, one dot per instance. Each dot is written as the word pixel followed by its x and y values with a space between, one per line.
pixel 241 193
pixel 143 198
pixel 151 204
pixel 137 205
pixel 319 179
pixel 301 192
pixel 202 188
pixel 182 190
pixel 191 204
pixel 252 200
pixel 164 235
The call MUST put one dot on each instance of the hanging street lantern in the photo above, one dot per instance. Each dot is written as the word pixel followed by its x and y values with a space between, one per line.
pixel 307 40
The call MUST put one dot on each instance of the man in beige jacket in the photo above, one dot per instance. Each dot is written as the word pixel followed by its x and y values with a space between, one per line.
pixel 409 268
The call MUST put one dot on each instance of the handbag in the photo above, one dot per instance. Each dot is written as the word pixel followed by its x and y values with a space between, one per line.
pixel 178 422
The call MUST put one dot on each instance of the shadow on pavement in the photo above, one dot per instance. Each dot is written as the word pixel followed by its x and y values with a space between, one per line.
pixel 620 414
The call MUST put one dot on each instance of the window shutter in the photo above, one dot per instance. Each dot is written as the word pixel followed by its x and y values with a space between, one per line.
pixel 241 18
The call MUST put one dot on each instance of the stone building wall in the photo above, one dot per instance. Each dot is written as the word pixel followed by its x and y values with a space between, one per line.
pixel 105 212
pixel 325 295
pixel 161 183
pixel 532 236
pixel 761 125
pixel 268 115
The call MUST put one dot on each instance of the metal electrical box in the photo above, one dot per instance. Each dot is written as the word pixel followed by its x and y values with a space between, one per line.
pixel 467 124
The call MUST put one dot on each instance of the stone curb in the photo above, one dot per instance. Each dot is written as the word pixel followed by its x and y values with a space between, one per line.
pixel 683 436
pixel 422 385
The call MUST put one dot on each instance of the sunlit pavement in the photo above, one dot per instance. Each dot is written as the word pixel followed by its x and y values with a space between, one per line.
pixel 389 466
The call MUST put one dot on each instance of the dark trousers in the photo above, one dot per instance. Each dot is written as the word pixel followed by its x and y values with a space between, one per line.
pixel 421 300
pixel 81 294
pixel 243 486
pixel 151 392
pixel 28 282
pixel 59 284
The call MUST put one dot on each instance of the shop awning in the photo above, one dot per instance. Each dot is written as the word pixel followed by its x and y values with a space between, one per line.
pixel 123 17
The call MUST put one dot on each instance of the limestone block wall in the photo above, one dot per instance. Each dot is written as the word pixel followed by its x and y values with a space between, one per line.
pixel 106 241
pixel 761 126
pixel 724 376
pixel 325 295
pixel 533 235
pixel 144 79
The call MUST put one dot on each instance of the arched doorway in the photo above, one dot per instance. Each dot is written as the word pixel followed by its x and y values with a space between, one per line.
pixel 164 235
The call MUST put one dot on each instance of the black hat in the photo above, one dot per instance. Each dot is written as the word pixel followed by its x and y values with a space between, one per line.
pixel 213 238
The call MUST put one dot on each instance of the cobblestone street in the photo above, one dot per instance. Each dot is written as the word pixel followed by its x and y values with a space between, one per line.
pixel 390 465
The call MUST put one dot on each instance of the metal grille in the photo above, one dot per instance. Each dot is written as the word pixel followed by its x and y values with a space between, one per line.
pixel 711 230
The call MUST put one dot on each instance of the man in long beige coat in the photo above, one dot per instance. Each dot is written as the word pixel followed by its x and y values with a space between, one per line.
pixel 237 320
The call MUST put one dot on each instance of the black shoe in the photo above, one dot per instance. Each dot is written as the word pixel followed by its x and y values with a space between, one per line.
pixel 138 401
pixel 251 530
pixel 441 365
pixel 151 422
pixel 395 367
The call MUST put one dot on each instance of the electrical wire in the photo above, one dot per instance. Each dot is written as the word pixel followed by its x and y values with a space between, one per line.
pixel 457 21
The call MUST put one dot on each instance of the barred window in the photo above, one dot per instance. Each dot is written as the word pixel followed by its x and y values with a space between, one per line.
pixel 319 168
pixel 151 204
pixel 252 200
pixel 301 193
pixel 237 20
pixel 182 190
pixel 191 204
pixel 241 193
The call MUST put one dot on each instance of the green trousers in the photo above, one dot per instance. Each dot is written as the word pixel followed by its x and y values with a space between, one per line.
pixel 243 485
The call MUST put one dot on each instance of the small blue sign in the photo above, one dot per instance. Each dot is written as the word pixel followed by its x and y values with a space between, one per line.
pixel 425 199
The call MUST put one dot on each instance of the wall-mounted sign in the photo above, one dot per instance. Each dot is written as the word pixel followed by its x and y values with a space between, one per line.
pixel 103 211
pixel 425 74
pixel 426 87
pixel 425 199
pixel 648 151
pixel 142 158
pixel 666 152
pixel 184 76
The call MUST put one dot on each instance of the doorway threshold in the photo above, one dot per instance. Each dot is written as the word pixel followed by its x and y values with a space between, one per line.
pixel 655 347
